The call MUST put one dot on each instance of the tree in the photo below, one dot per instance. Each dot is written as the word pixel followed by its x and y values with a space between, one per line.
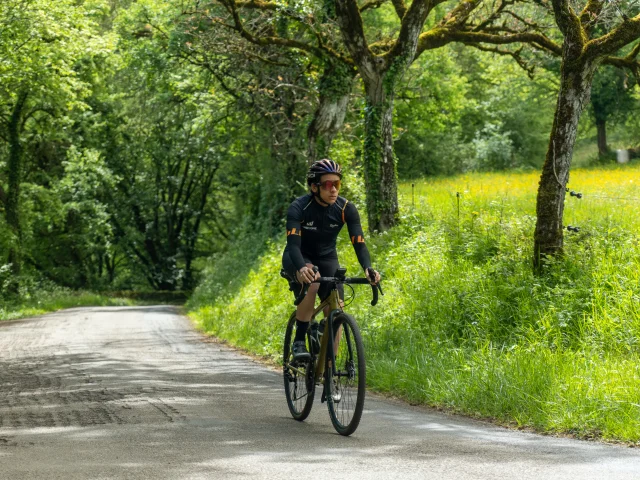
pixel 71 232
pixel 611 97
pixel 164 129
pixel 40 41
pixel 590 38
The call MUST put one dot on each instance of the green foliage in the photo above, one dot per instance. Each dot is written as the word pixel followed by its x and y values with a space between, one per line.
pixel 479 113
pixel 493 149
pixel 73 220
pixel 464 323
pixel 611 94
pixel 428 136
pixel 40 90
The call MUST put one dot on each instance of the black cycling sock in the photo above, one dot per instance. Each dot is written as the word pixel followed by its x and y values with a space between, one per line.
pixel 301 330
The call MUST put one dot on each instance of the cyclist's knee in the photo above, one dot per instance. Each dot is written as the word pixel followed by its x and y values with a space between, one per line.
pixel 313 288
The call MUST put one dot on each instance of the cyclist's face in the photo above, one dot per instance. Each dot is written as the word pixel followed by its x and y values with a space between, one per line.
pixel 331 195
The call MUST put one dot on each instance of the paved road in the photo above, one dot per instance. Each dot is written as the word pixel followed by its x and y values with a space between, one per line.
pixel 136 393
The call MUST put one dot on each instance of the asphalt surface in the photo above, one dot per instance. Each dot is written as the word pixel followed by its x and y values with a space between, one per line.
pixel 137 393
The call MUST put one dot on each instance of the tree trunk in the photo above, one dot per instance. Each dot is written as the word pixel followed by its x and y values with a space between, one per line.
pixel 110 262
pixel 14 167
pixel 379 160
pixel 574 93
pixel 334 89
pixel 187 280
pixel 601 126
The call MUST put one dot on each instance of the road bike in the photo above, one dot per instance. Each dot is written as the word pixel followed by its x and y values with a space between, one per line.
pixel 337 358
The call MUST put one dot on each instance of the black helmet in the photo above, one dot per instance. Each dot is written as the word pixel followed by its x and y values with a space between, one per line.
pixel 322 167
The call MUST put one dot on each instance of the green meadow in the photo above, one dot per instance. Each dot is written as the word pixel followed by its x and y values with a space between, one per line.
pixel 465 325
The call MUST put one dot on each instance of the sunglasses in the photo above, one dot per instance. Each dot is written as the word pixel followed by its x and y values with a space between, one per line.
pixel 327 184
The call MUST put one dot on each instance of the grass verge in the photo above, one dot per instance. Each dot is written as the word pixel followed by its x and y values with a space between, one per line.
pixel 465 325
pixel 53 301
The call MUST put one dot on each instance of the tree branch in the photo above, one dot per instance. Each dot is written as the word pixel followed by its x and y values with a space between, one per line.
pixel 400 8
pixel 238 26
pixel 589 14
pixel 495 15
pixel 515 55
pixel 531 38
pixel 567 20
pixel 372 4
pixel 258 5
pixel 460 14
pixel 412 24
pixel 629 62
pixel 352 30
pixel 623 34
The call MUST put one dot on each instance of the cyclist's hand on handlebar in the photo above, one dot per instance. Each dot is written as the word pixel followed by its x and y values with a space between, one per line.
pixel 306 275
pixel 373 276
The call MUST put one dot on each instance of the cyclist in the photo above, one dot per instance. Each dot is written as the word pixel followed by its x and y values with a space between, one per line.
pixel 313 223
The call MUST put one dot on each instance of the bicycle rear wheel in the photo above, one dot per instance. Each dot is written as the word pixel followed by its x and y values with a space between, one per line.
pixel 299 385
pixel 347 387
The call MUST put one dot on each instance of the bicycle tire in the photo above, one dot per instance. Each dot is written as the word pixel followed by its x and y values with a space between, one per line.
pixel 299 384
pixel 350 381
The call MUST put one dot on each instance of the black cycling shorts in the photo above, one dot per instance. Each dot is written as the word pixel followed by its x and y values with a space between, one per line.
pixel 327 267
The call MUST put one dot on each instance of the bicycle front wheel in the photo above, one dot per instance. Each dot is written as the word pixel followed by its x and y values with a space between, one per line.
pixel 346 386
pixel 299 385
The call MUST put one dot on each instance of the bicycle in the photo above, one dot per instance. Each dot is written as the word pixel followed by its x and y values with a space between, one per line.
pixel 337 359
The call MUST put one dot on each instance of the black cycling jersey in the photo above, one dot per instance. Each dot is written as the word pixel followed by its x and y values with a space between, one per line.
pixel 312 230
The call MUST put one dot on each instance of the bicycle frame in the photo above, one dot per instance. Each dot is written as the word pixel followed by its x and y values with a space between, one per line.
pixel 328 336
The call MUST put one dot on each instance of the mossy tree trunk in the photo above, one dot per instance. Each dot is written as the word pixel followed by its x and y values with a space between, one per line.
pixel 380 173
pixel 574 94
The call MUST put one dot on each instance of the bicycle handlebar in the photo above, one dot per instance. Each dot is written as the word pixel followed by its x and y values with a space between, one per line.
pixel 338 280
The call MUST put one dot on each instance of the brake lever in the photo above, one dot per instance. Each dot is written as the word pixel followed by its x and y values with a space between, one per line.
pixel 303 293
pixel 374 291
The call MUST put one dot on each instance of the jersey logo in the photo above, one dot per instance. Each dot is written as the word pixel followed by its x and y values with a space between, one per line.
pixel 334 225
pixel 310 224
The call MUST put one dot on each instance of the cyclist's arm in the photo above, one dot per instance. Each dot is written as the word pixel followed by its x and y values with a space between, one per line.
pixel 352 219
pixel 294 236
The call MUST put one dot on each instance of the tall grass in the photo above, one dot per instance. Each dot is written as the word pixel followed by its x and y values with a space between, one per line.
pixel 465 324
